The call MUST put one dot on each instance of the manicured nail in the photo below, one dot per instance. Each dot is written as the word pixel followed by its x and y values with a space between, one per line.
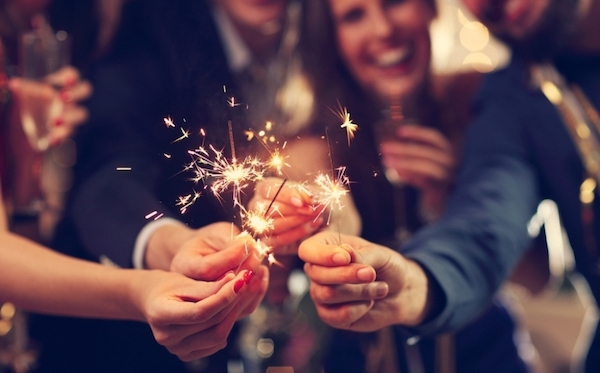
pixel 58 122
pixel 66 96
pixel 381 290
pixel 247 276
pixel 70 81
pixel 296 202
pixel 238 285
pixel 365 274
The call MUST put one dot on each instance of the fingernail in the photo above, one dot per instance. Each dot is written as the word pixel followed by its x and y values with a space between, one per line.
pixel 340 258
pixel 365 274
pixel 66 96
pixel 381 290
pixel 238 285
pixel 247 276
pixel 70 81
pixel 296 202
pixel 58 122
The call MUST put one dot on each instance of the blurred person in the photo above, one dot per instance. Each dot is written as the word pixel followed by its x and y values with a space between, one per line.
pixel 533 136
pixel 184 61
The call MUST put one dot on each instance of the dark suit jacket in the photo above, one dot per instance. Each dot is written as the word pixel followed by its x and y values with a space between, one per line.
pixel 517 152
pixel 166 62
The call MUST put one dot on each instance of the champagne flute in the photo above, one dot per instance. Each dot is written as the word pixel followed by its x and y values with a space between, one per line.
pixel 42 52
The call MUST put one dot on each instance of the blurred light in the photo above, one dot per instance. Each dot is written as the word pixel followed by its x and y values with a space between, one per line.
pixel 474 36
pixel 479 62
pixel 7 311
pixel 265 348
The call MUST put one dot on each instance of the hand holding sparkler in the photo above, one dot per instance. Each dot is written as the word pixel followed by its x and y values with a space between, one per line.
pixel 291 214
pixel 362 286
pixel 423 158
pixel 192 319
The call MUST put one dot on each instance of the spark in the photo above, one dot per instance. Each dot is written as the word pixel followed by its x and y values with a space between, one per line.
pixel 347 123
pixel 169 122
pixel 123 168
pixel 232 103
pixel 221 174
pixel 330 191
pixel 183 202
pixel 151 214
pixel 184 135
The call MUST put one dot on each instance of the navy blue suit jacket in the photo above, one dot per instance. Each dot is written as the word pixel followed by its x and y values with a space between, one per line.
pixel 517 152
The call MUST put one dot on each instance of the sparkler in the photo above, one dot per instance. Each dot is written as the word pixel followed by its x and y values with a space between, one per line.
pixel 331 190
pixel 347 123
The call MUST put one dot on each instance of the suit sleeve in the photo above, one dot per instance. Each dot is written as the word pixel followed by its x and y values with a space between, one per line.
pixel 472 249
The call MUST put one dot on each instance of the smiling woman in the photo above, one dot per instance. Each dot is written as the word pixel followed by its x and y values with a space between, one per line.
pixel 374 59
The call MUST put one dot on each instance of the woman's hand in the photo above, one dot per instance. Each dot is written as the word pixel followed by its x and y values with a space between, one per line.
pixel 193 319
pixel 293 214
pixel 422 158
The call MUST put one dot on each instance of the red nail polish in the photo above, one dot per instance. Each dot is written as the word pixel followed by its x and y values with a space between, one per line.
pixel 247 276
pixel 66 96
pixel 70 81
pixel 238 285
pixel 58 122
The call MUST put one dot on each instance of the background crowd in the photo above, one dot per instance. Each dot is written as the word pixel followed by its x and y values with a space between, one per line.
pixel 402 271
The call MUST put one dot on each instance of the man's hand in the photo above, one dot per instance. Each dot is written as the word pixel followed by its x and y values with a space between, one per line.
pixel 361 286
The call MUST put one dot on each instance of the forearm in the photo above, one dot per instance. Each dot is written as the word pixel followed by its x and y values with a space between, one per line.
pixel 40 280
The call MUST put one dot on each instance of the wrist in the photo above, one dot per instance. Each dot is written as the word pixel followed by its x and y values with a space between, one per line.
pixel 421 294
pixel 164 243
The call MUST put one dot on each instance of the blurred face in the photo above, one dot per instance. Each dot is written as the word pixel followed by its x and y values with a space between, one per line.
pixel 537 27
pixel 254 13
pixel 384 43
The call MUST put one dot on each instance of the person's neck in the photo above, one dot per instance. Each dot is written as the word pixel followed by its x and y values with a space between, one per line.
pixel 262 42
pixel 586 37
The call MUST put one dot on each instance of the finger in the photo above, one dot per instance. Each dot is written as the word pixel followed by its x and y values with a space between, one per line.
pixel 283 239
pixel 64 77
pixel 78 92
pixel 349 274
pixel 425 135
pixel 421 173
pixel 205 342
pixel 322 249
pixel 411 151
pixel 343 316
pixel 210 267
pixel 291 193
pixel 281 225
pixel 348 293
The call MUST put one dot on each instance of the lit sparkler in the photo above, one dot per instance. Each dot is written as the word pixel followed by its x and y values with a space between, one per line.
pixel 330 191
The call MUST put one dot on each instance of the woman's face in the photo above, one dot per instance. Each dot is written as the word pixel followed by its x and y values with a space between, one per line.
pixel 384 43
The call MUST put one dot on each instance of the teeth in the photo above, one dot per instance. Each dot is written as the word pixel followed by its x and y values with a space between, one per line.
pixel 392 57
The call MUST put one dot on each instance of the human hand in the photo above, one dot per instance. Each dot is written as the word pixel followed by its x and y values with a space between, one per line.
pixel 72 91
pixel 192 319
pixel 294 216
pixel 423 158
pixel 361 286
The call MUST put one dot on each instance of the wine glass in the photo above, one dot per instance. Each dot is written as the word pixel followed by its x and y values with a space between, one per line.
pixel 42 52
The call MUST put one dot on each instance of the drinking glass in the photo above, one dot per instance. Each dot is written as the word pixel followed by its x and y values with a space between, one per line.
pixel 42 52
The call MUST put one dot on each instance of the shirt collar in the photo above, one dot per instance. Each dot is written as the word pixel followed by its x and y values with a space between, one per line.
pixel 237 52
